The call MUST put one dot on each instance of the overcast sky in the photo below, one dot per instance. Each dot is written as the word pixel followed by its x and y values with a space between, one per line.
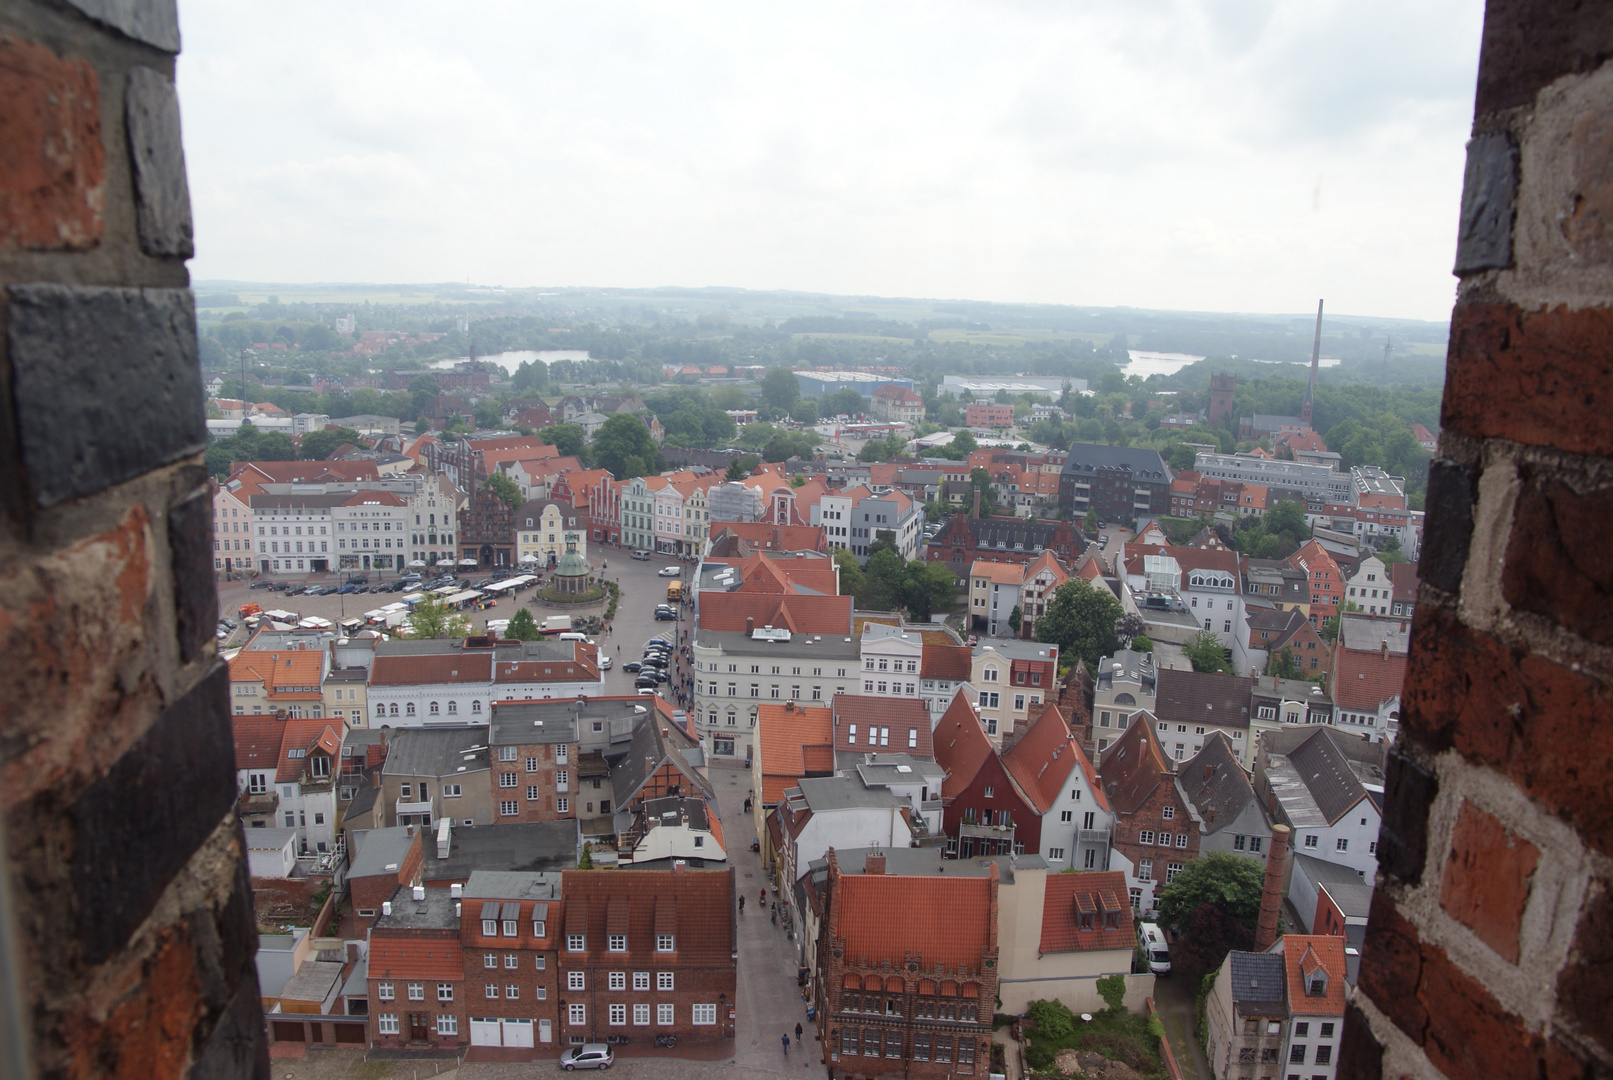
pixel 1219 155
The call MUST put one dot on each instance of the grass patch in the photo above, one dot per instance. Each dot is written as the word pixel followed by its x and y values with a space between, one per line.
pixel 1120 1036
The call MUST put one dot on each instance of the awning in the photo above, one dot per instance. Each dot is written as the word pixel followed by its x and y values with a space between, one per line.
pixel 467 562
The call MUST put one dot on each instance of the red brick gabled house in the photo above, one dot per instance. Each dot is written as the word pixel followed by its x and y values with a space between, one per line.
pixel 907 973
pixel 1154 833
pixel 985 812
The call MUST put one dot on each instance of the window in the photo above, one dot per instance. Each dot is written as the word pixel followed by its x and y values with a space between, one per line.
pixel 618 980
pixel 508 808
pixel 615 942
pixel 532 793
pixel 663 980
pixel 1145 869
pixel 509 928
pixel 445 991
pixel 451 791
pixel 511 961
pixel 1310 840
pixel 507 780
pixel 663 1014
pixel 988 791
pixel 1324 1055
pixel 576 980
pixel 1055 854
pixel 577 1015
pixel 641 1014
pixel 417 991
pixel 386 1023
pixel 1164 839
pixel 447 1024
pixel 562 805
pixel 704 1014
pixel 576 942
pixel 618 1015
pixel 1237 843
pixel 531 764
pixel 1168 813
pixel 1327 1031
pixel 489 929
pixel 663 943
pixel 539 960
pixel 1181 840
pixel 641 980
pixel 1146 836
pixel 383 991
pixel 1296 1054
pixel 1171 870
pixel 1341 844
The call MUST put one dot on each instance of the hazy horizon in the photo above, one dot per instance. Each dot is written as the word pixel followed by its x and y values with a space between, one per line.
pixel 1178 155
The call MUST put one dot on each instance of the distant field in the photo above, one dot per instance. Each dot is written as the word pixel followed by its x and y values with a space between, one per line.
pixel 1013 337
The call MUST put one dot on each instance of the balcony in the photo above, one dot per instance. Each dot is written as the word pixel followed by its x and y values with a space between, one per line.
pixel 402 808
pixel 993 832
pixel 1092 836
pixel 263 802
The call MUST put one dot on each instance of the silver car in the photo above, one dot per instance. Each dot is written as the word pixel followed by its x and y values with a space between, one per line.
pixel 587 1056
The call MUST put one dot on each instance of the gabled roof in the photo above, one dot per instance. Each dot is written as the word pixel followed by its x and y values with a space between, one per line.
pixel 792 743
pixel 1404 578
pixel 999 573
pixel 1363 680
pixel 1133 765
pixel 902 716
pixel 1201 697
pixel 431 669
pixel 1303 956
pixel 1099 894
pixel 1042 758
pixel 951 663
pixel 1327 775
pixel 302 737
pixel 961 745
pixel 1214 784
pixel 655 744
pixel 287 675
pixel 257 741
pixel 1257 984
pixel 800 614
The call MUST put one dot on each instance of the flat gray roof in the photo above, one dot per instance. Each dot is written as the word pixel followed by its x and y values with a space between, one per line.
pixel 435 912
pixel 738 643
pixel 376 849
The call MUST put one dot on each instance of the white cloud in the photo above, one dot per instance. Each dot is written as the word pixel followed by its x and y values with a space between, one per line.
pixel 1204 154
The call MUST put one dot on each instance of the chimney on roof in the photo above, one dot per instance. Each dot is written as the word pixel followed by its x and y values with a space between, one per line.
pixel 874 862
pixel 1271 895
pixel 1384 652
pixel 680 866
pixel 977 502
pixel 750 624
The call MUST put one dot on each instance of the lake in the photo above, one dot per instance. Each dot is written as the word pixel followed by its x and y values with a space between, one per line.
pixel 1166 363
pixel 509 361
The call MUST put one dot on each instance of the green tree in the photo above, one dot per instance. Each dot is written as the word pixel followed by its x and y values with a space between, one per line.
pixel 1054 1021
pixel 847 402
pixel 804 411
pixel 883 581
pixel 523 627
pixel 531 377
pixel 1080 619
pixel 1208 654
pixel 624 447
pixel 1127 628
pixel 1090 524
pixel 1142 644
pixel 980 480
pixel 927 586
pixel 1231 882
pixel 1208 934
pixel 431 618
pixel 780 388
pixel 851 573
pixel 569 439
pixel 1330 629
pixel 585 860
pixel 319 445
pixel 962 445
pixel 506 489
pixel 1014 620
pixel 787 444
pixel 1283 665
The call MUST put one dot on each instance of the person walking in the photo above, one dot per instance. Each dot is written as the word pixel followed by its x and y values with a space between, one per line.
pixel 742 905
pixel 797 1032
pixel 786 1041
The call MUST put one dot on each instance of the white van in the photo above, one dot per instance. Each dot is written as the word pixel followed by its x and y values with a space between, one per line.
pixel 572 635
pixel 641 555
pixel 1151 939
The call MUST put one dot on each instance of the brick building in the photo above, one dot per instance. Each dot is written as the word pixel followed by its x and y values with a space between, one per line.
pixel 536 755
pixel 1154 834
pixel 1121 483
pixel 987 415
pixel 647 952
pixel 487 529
pixel 963 540
pixel 509 933
pixel 986 812
pixel 417 972
pixel 906 973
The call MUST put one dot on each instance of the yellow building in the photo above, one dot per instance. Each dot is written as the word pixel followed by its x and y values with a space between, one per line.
pixel 546 529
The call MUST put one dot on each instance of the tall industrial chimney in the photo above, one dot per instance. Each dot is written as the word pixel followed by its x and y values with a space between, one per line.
pixel 1309 406
pixel 1271 893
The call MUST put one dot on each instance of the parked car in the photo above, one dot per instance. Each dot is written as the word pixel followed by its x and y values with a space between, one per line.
pixel 604 662
pixel 665 616
pixel 659 640
pixel 655 661
pixel 642 556
pixel 347 590
pixel 500 575
pixel 646 680
pixel 669 571
pixel 632 665
pixel 587 1056
pixel 229 622
pixel 1103 539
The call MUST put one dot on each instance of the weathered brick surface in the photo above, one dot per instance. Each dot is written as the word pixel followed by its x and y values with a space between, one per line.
pixel 1544 725
pixel 1487 879
pixel 154 22
pixel 1409 791
pixel 1360 1056
pixel 162 194
pixel 53 170
pixel 1559 563
pixel 190 535
pixel 1585 985
pixel 1541 378
pixel 1528 44
pixel 1391 966
pixel 148 1031
pixel 106 384
pixel 138 825
pixel 1489 193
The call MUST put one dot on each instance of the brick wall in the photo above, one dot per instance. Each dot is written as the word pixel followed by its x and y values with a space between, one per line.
pixel 128 897
pixel 1487 953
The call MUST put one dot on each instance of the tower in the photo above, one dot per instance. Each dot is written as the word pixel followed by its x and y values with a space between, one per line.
pixel 1309 407
pixel 1221 388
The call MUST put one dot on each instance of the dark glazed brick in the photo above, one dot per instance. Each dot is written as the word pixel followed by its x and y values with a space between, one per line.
pixel 190 537
pixel 162 194
pixel 155 22
pixel 1449 508
pixel 1585 985
pixel 106 384
pixel 1543 378
pixel 1558 563
pixel 1529 44
pixel 1489 197
pixel 1360 1056
pixel 238 1047
pixel 1391 966
pixel 140 823
pixel 225 942
pixel 1409 791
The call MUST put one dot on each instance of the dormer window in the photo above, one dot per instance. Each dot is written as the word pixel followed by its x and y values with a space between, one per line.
pixel 490 928
pixel 1316 984
pixel 510 928
pixel 319 767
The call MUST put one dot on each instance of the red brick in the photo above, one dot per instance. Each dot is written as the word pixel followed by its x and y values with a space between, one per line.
pixel 1391 967
pixel 1530 43
pixel 1547 727
pixel 1540 378
pixel 1585 985
pixel 53 174
pixel 147 1031
pixel 1559 564
pixel 1487 879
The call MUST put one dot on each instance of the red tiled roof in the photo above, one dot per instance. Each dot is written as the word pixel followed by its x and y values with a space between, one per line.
pixel 306 734
pixel 1364 680
pixel 1042 757
pixel 774 537
pixel 961 745
pixel 1097 892
pixel 694 905
pixel 784 736
pixel 1133 766
pixel 999 572
pixel 421 670
pixel 1305 953
pixel 290 675
pixel 945 920
pixel 438 959
pixel 1404 578
pixel 721 611
pixel 949 662
pixel 903 716
pixel 257 741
